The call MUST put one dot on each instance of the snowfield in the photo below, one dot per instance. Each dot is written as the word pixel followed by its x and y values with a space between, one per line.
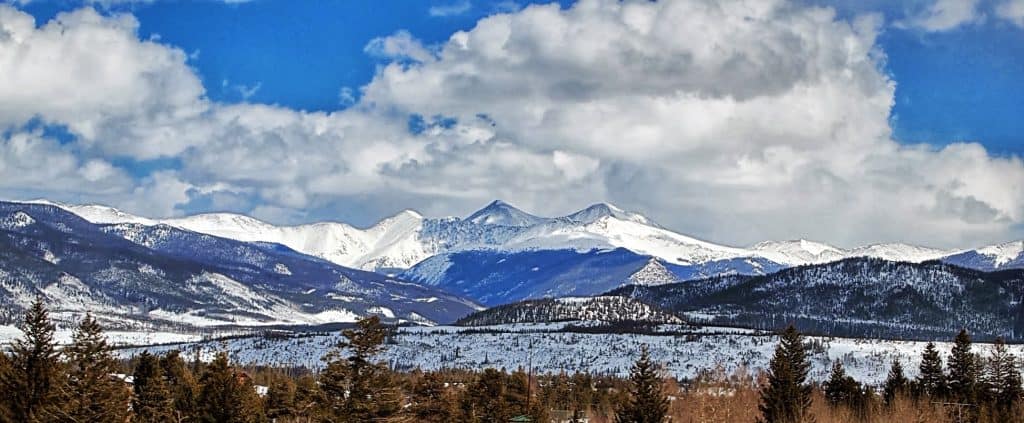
pixel 513 346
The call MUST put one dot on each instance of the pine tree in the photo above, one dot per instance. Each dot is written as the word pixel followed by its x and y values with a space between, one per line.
pixel 963 377
pixel 307 397
pixel 152 401
pixel 5 371
pixel 842 389
pixel 488 393
pixel 94 395
pixel 357 389
pixel 517 393
pixel 836 387
pixel 182 385
pixel 431 401
pixel 647 402
pixel 281 398
pixel 787 397
pixel 227 396
pixel 931 380
pixel 896 383
pixel 32 384
pixel 582 393
pixel 1003 380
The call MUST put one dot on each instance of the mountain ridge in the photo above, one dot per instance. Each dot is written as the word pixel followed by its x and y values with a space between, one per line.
pixel 412 245
pixel 137 275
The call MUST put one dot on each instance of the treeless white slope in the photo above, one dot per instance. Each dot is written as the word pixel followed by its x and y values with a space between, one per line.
pixel 1003 253
pixel 612 232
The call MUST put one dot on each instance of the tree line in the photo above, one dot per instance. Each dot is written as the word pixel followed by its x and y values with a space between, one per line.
pixel 84 382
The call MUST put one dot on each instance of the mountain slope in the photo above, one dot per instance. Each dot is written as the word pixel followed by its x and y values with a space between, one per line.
pixel 134 275
pixel 996 257
pixel 401 241
pixel 604 309
pixel 861 297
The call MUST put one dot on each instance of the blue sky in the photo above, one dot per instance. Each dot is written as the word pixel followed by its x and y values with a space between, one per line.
pixel 963 84
pixel 782 124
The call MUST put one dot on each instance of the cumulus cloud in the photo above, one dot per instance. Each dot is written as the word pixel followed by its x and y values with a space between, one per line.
pixel 944 15
pixel 399 46
pixel 735 121
pixel 1012 10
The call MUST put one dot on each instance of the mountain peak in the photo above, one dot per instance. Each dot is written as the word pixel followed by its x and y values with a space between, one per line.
pixel 600 210
pixel 500 213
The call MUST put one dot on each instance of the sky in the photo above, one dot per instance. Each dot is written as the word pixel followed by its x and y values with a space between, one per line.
pixel 848 122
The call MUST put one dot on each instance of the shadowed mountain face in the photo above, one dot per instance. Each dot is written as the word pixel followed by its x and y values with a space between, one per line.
pixel 132 275
pixel 495 277
pixel 859 297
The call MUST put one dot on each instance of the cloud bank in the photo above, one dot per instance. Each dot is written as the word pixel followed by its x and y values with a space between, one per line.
pixel 735 121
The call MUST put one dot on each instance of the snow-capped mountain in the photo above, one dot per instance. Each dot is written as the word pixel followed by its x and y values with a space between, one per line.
pixel 423 249
pixel 996 257
pixel 601 308
pixel 500 213
pixel 135 275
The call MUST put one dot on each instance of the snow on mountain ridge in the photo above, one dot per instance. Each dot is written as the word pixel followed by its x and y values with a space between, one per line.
pixel 503 214
pixel 1003 253
pixel 407 238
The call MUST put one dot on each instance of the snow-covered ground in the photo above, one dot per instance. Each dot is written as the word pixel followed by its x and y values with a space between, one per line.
pixel 9 333
pixel 514 346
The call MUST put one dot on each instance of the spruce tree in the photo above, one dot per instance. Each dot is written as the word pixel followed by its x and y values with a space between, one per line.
pixel 5 371
pixel 431 401
pixel 517 393
pixel 836 387
pixel 33 383
pixel 182 385
pixel 931 380
pixel 647 402
pixel 227 396
pixel 1003 380
pixel 896 383
pixel 842 389
pixel 308 397
pixel 94 395
pixel 281 398
pixel 787 397
pixel 488 393
pixel 153 401
pixel 582 392
pixel 357 389
pixel 963 366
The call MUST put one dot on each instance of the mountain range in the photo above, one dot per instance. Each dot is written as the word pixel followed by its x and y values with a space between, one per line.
pixel 142 276
pixel 222 269
pixel 500 253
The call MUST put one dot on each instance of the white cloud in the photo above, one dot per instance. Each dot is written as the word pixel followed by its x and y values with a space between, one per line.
pixel 454 8
pixel 944 15
pixel 734 121
pixel 92 73
pixel 399 46
pixel 737 121
pixel 1012 10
